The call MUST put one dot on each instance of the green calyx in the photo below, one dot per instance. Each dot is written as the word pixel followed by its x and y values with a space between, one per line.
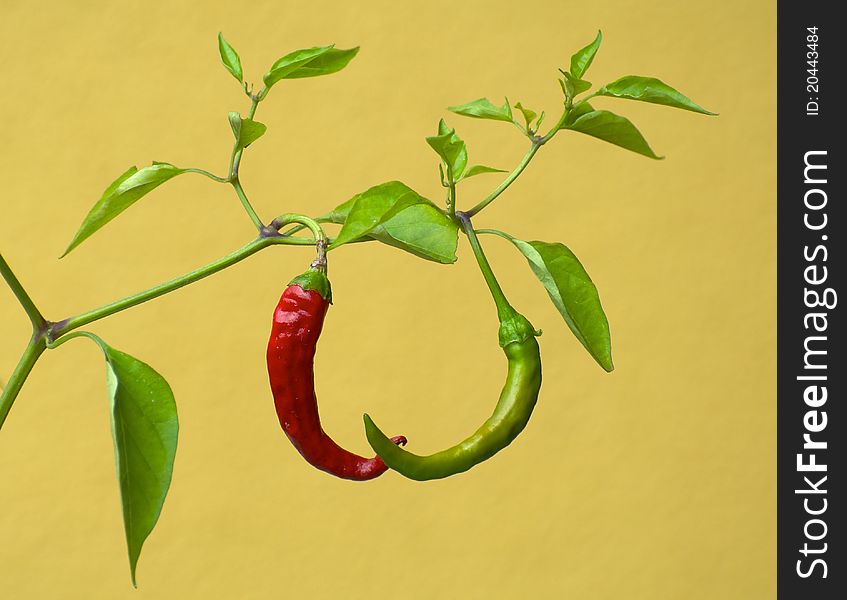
pixel 515 328
pixel 316 280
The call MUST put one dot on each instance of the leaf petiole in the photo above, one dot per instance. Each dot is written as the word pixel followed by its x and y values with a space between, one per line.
pixel 205 173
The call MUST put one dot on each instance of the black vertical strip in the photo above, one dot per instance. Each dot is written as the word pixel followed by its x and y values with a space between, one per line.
pixel 811 558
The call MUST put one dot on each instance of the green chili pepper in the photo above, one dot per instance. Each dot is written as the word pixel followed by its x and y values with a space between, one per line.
pixel 518 398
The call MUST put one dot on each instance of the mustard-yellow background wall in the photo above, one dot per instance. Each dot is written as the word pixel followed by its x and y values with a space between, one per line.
pixel 656 481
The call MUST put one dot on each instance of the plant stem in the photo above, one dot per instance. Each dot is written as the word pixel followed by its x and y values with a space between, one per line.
pixel 234 162
pixel 235 159
pixel 21 294
pixel 508 181
pixel 504 309
pixel 235 165
pixel 62 327
pixel 254 104
pixel 239 191
pixel 54 334
pixel 537 142
pixel 34 349
pixel 451 199
pixel 559 124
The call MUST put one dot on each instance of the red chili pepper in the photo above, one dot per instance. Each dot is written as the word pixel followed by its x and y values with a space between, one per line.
pixel 298 320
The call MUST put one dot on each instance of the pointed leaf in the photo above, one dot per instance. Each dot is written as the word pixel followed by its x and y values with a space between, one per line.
pixel 144 432
pixel 246 131
pixel 484 109
pixel 582 59
pixel 251 131
pixel 230 58
pixel 325 64
pixel 614 129
pixel 374 207
pixel 578 85
pixel 450 148
pixel 309 62
pixel 650 89
pixel 422 230
pixel 291 62
pixel 572 292
pixel 120 195
pixel 479 170
pixel 577 111
pixel 528 114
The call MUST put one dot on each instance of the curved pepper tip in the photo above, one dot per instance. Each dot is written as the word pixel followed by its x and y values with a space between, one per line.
pixel 373 432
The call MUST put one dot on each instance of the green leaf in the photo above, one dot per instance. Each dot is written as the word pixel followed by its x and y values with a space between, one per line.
pixel 120 195
pixel 572 292
pixel 230 58
pixel 291 62
pixel 582 59
pixel 246 131
pixel 484 109
pixel 528 114
pixel 144 432
pixel 578 85
pixel 422 230
pixel 650 89
pixel 325 64
pixel 450 148
pixel 479 170
pixel 374 207
pixel 579 109
pixel 309 62
pixel 567 87
pixel 614 129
